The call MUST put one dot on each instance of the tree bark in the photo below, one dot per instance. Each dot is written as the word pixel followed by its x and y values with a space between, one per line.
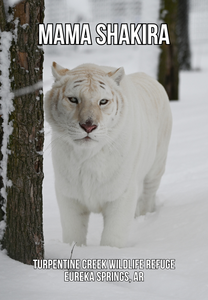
pixel 168 71
pixel 184 54
pixel 23 238
pixel 2 28
pixel 2 16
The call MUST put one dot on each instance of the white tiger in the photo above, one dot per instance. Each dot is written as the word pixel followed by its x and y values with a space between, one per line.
pixel 110 134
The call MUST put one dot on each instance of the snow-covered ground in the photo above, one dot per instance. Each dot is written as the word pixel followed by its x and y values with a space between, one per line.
pixel 177 230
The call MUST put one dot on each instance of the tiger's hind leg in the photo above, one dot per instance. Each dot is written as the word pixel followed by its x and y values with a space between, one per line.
pixel 146 202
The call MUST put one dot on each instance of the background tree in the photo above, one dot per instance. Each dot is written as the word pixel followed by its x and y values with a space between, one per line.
pixel 23 237
pixel 184 55
pixel 168 71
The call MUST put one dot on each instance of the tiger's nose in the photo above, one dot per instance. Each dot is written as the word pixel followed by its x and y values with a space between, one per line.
pixel 88 126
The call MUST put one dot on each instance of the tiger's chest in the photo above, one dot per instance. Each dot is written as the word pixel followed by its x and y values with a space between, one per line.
pixel 93 182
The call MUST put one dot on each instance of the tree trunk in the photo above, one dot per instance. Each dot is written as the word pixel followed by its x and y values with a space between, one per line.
pixel 2 16
pixel 184 55
pixel 2 28
pixel 168 72
pixel 23 238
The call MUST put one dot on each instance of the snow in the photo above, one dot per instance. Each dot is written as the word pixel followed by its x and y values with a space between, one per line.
pixel 13 2
pixel 6 108
pixel 80 9
pixel 150 14
pixel 178 228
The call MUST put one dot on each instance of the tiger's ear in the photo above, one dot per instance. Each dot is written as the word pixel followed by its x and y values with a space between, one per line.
pixel 117 75
pixel 58 71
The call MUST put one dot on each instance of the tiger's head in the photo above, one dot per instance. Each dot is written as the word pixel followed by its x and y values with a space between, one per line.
pixel 84 104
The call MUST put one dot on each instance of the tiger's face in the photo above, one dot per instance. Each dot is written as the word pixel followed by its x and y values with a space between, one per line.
pixel 84 104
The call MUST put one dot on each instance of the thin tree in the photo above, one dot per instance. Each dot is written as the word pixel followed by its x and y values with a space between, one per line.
pixel 23 237
pixel 184 54
pixel 168 71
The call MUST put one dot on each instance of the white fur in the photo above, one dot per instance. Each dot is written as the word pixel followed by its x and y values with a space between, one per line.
pixel 119 170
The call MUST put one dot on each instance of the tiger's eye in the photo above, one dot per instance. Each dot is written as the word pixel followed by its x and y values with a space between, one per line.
pixel 73 100
pixel 103 102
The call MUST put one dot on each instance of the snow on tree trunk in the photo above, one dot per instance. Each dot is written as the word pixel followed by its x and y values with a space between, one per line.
pixel 168 71
pixel 23 238
pixel 5 108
